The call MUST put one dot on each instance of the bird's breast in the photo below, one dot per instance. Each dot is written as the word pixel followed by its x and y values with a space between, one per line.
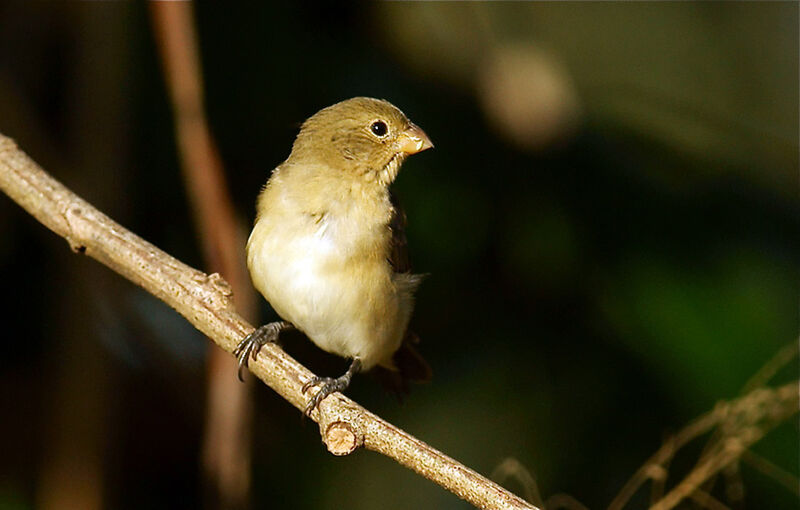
pixel 333 282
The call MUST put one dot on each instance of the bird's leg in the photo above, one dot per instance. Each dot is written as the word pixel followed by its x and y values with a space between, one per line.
pixel 330 385
pixel 252 343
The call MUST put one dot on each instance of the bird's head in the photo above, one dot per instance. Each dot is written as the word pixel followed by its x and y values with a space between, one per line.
pixel 364 137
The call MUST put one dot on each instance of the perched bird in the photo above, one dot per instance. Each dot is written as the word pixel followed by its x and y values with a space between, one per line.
pixel 328 248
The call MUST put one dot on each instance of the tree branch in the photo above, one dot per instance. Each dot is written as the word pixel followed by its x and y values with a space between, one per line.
pixel 228 419
pixel 205 301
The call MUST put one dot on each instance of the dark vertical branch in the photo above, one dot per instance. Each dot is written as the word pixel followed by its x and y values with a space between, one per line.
pixel 226 441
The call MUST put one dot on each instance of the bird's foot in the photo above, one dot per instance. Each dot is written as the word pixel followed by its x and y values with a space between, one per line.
pixel 252 343
pixel 329 385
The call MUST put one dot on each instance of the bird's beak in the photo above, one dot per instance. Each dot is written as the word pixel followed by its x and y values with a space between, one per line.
pixel 413 140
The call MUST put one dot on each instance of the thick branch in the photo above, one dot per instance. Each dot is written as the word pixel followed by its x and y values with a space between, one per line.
pixel 205 301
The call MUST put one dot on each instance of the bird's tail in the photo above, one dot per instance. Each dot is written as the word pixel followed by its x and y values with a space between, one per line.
pixel 409 366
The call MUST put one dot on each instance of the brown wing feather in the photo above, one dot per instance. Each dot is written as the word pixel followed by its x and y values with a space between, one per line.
pixel 410 365
pixel 398 255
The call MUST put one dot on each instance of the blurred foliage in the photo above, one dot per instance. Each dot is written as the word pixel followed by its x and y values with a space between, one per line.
pixel 611 249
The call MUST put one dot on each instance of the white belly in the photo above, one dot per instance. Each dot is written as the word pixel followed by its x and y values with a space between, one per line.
pixel 346 303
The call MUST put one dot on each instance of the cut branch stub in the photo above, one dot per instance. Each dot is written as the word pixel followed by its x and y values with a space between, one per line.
pixel 340 425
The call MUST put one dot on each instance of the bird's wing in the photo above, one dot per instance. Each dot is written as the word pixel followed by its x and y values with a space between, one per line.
pixel 398 255
pixel 409 364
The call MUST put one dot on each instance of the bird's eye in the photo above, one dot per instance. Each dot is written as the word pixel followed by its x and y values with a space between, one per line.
pixel 379 128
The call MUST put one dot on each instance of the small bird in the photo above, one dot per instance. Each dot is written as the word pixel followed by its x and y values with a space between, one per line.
pixel 328 249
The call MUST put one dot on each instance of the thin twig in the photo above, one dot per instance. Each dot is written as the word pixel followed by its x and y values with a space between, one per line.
pixel 733 484
pixel 512 468
pixel 706 500
pixel 777 473
pixel 727 428
pixel 658 477
pixel 205 301
pixel 771 367
pixel 653 467
pixel 747 420
pixel 564 501
pixel 743 421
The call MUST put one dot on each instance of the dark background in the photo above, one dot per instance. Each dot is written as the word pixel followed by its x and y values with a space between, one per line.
pixel 609 219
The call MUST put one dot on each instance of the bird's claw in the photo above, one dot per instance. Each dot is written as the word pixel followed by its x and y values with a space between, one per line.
pixel 250 345
pixel 329 385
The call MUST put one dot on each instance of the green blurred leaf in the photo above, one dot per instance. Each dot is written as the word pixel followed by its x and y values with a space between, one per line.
pixel 704 331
